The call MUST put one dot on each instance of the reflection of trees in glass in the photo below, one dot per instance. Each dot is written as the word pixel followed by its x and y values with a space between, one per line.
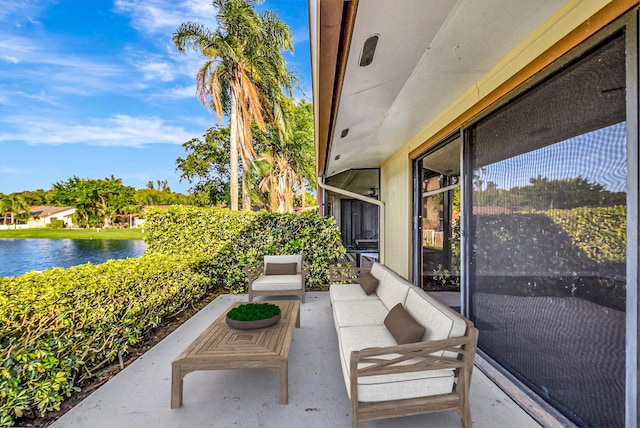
pixel 544 194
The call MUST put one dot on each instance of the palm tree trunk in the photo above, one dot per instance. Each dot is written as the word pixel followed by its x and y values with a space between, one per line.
pixel 233 155
pixel 246 196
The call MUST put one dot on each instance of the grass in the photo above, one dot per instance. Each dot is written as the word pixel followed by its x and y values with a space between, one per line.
pixel 46 233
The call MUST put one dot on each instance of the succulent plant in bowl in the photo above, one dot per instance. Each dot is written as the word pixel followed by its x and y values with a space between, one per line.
pixel 253 315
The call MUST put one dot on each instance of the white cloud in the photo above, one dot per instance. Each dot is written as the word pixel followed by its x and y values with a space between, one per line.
pixel 21 10
pixel 48 65
pixel 9 170
pixel 117 131
pixel 183 91
pixel 164 16
pixel 157 70
pixel 11 59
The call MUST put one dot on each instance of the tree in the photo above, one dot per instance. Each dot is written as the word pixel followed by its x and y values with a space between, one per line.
pixel 543 194
pixel 35 197
pixel 5 207
pixel 130 210
pixel 287 161
pixel 17 203
pixel 96 201
pixel 244 74
pixel 160 195
pixel 206 166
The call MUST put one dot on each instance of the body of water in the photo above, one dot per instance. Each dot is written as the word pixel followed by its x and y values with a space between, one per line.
pixel 19 256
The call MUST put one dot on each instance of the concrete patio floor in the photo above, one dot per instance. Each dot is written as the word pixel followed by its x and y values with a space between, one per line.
pixel 139 396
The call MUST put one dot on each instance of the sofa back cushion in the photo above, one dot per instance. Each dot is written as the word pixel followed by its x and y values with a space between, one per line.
pixel 439 321
pixel 378 271
pixel 392 289
pixel 294 258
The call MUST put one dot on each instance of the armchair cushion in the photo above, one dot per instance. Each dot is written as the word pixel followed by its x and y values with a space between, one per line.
pixel 278 282
pixel 281 269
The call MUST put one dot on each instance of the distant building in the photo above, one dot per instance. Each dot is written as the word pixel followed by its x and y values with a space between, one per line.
pixel 41 216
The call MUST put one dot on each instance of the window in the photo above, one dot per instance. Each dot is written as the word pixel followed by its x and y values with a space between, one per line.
pixel 547 199
pixel 437 213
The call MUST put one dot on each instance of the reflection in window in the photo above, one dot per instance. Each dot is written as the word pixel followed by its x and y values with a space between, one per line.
pixel 439 213
pixel 547 272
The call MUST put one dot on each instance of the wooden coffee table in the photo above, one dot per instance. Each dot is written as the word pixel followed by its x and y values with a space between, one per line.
pixel 221 347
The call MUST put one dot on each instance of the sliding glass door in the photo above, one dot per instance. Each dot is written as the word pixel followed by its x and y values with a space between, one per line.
pixel 546 228
pixel 437 218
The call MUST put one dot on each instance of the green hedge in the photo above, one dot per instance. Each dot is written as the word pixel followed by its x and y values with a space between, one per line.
pixel 230 240
pixel 552 241
pixel 59 326
pixel 599 232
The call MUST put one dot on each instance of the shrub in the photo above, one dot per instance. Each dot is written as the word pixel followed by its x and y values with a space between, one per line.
pixel 598 231
pixel 229 240
pixel 59 326
pixel 56 224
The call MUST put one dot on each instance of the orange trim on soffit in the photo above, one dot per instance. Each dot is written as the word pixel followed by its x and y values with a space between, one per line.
pixel 329 29
pixel 340 70
pixel 597 22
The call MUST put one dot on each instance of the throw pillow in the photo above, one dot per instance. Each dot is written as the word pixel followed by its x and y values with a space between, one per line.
pixel 368 282
pixel 402 326
pixel 281 269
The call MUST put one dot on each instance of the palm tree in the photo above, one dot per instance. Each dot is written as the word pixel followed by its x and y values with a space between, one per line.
pixel 287 162
pixel 244 75
pixel 17 202
pixel 130 210
pixel 279 180
pixel 5 207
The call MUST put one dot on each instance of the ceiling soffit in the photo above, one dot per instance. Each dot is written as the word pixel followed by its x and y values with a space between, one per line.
pixel 428 54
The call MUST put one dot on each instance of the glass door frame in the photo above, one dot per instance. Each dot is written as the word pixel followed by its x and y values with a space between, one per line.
pixel 417 197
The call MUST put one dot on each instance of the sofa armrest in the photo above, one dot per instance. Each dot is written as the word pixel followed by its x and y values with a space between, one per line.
pixel 417 357
pixel 344 274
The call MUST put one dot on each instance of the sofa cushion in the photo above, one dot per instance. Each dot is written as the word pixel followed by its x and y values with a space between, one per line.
pixel 351 313
pixel 368 282
pixel 340 292
pixel 396 386
pixel 439 321
pixel 278 282
pixel 392 290
pixel 402 326
pixel 379 271
pixel 281 269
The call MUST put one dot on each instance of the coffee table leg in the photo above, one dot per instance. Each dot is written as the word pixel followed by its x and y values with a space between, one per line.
pixel 176 386
pixel 284 383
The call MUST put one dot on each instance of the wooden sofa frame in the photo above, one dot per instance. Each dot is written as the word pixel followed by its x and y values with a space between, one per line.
pixel 369 362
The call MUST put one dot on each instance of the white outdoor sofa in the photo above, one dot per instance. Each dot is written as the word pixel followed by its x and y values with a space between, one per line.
pixel 385 379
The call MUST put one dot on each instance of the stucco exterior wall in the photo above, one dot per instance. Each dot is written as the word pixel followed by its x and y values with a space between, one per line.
pixel 396 171
pixel 395 191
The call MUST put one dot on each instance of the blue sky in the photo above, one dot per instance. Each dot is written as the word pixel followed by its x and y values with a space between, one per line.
pixel 95 88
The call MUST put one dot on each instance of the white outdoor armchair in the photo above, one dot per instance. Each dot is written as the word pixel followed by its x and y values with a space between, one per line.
pixel 277 276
